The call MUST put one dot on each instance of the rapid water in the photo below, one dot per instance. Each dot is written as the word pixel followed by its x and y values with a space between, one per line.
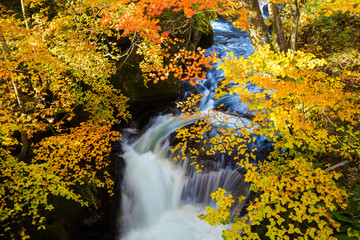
pixel 161 199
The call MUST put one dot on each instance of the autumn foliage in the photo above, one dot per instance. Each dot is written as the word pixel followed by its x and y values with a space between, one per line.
pixel 47 73
pixel 57 103
pixel 58 107
pixel 295 204
pixel 74 156
pixel 310 117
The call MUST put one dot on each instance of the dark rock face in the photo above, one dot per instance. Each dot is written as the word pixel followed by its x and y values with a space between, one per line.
pixel 62 223
pixel 206 40
pixel 148 98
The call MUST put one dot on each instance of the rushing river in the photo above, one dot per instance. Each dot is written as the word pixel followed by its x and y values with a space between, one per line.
pixel 161 199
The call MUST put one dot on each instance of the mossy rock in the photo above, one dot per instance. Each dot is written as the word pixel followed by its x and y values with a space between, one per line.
pixel 149 96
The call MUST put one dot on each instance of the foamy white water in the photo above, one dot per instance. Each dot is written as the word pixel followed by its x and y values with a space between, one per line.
pixel 154 185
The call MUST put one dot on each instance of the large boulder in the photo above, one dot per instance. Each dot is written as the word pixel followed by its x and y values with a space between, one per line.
pixel 143 98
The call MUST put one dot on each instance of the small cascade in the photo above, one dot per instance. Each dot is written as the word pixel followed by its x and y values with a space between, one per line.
pixel 199 187
pixel 161 199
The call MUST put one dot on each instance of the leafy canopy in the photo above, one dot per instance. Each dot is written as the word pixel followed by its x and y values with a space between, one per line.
pixel 307 115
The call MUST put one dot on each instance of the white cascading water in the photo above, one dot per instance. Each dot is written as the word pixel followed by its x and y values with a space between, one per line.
pixel 161 199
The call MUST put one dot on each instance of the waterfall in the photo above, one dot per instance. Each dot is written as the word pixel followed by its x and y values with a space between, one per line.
pixel 161 199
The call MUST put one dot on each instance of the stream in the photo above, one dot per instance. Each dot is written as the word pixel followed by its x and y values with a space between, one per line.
pixel 161 199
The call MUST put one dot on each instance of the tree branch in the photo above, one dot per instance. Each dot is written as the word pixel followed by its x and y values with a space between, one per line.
pixel 337 165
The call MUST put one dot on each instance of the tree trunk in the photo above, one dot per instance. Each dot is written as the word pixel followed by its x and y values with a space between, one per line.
pixel 5 47
pixel 24 13
pixel 24 135
pixel 256 29
pixel 295 24
pixel 277 30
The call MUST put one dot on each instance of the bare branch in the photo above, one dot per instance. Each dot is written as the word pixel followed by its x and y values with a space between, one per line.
pixel 343 163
